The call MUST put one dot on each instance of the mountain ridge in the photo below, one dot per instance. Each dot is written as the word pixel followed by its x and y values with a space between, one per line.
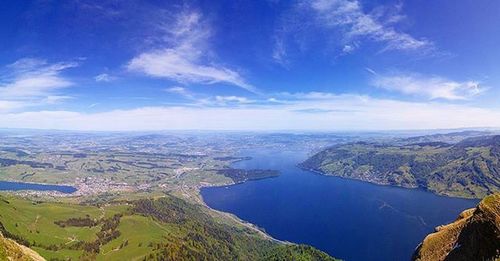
pixel 469 168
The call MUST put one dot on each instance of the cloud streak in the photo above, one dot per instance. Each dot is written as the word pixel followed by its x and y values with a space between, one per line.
pixel 347 20
pixel 28 82
pixel 185 59
pixel 431 87
pixel 350 17
pixel 104 77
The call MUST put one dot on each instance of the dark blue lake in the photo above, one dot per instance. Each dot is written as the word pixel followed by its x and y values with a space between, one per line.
pixel 7 185
pixel 348 219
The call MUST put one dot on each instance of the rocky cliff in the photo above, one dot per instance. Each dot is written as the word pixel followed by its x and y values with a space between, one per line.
pixel 10 250
pixel 475 235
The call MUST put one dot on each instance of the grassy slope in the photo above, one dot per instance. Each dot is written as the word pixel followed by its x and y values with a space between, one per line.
pixel 10 250
pixel 475 235
pixel 167 227
pixel 470 168
pixel 35 222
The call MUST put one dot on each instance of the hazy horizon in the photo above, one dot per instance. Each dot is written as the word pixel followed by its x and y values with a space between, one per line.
pixel 276 131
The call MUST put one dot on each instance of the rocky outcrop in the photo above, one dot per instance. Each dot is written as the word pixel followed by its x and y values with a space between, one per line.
pixel 11 250
pixel 475 235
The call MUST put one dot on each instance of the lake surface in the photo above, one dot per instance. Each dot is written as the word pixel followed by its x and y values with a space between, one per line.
pixel 7 185
pixel 348 219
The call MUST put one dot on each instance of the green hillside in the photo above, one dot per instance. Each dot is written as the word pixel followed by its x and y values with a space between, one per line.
pixel 470 168
pixel 165 228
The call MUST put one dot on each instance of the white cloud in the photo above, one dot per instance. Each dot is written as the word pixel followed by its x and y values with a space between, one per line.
pixel 316 96
pixel 431 87
pixel 350 16
pixel 348 48
pixel 325 112
pixel 343 25
pixel 206 100
pixel 52 99
pixel 104 77
pixel 185 59
pixel 32 82
pixel 232 99
pixel 172 64
pixel 370 70
pixel 177 90
pixel 28 78
pixel 6 106
pixel 182 92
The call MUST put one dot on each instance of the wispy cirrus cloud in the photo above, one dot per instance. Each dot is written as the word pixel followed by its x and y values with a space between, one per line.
pixel 431 87
pixel 349 20
pixel 29 81
pixel 28 78
pixel 355 22
pixel 279 51
pixel 183 55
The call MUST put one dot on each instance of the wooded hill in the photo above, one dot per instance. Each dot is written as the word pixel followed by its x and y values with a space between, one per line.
pixel 469 168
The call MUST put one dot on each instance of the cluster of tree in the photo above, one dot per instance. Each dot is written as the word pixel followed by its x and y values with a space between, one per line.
pixel 232 158
pixel 17 238
pixel 77 222
pixel 242 175
pixel 107 233
pixel 296 253
pixel 4 162
pixel 167 210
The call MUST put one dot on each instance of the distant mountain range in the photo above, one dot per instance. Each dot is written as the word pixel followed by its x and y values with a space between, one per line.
pixel 469 168
pixel 452 137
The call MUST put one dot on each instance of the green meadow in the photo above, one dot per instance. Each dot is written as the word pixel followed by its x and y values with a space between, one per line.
pixel 165 228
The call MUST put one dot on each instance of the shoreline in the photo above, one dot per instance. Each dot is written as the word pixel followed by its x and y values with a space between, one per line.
pixel 320 173
pixel 199 199
pixel 60 193
pixel 38 183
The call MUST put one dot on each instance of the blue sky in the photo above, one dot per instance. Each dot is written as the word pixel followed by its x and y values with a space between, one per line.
pixel 249 65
